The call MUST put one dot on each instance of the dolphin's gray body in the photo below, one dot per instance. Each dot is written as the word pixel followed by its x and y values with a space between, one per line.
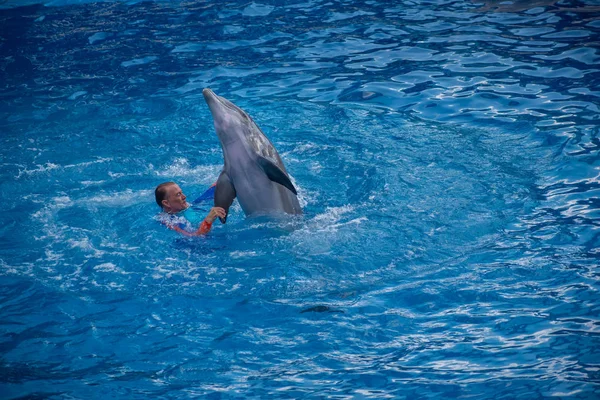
pixel 253 171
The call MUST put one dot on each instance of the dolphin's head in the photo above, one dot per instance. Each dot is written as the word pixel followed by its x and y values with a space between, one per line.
pixel 231 122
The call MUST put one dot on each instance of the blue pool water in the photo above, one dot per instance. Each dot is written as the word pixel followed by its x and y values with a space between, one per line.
pixel 446 155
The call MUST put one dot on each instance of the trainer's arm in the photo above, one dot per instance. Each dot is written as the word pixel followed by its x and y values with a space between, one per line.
pixel 205 226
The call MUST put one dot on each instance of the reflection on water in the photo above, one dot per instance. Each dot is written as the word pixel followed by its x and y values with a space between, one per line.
pixel 446 155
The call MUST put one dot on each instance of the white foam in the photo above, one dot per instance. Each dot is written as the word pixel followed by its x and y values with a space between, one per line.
pixel 55 204
pixel 319 234
pixel 25 269
pixel 180 167
pixel 242 254
pixel 51 166
pixel 355 221
pixel 40 168
pixel 52 255
pixel 109 267
pixel 90 183
pixel 333 214
pixel 83 244
pixel 119 246
pixel 235 287
pixel 125 198
pixel 112 285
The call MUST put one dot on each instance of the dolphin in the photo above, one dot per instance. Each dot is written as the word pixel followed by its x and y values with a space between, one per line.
pixel 253 171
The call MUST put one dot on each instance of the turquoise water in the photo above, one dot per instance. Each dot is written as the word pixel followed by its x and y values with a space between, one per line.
pixel 446 154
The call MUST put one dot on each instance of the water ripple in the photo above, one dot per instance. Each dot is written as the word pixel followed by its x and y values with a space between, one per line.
pixel 446 155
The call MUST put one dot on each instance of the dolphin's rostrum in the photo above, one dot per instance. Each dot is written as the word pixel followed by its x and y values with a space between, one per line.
pixel 253 171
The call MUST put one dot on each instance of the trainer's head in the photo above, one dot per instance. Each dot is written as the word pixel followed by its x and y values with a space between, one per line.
pixel 170 197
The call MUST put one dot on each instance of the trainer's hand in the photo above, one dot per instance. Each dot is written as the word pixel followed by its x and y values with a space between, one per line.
pixel 214 213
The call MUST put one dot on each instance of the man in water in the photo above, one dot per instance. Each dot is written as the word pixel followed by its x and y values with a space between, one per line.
pixel 177 213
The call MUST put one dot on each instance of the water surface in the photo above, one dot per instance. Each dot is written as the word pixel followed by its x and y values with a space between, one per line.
pixel 446 156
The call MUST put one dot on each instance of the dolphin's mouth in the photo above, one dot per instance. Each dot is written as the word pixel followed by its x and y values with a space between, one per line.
pixel 214 100
pixel 224 114
pixel 209 95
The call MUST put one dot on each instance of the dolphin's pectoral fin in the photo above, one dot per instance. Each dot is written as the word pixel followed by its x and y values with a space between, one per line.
pixel 275 174
pixel 224 194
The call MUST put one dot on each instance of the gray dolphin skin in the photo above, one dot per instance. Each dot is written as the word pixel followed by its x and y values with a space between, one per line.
pixel 253 171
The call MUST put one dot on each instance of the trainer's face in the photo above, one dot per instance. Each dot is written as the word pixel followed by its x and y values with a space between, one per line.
pixel 175 200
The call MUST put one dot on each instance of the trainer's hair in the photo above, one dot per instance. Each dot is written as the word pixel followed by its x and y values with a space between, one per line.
pixel 160 193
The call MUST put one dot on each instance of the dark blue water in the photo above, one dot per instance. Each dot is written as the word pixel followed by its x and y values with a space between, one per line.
pixel 446 155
